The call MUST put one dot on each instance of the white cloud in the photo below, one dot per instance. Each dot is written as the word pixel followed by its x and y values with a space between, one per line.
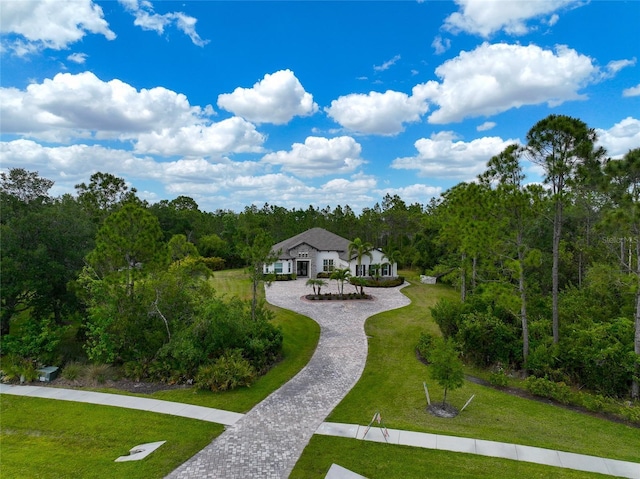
pixel 633 91
pixel 31 25
pixel 233 135
pixel 318 157
pixel 442 156
pixel 487 125
pixel 495 78
pixel 417 193
pixel 276 99
pixel 78 58
pixel 147 19
pixel 377 113
pixel 615 66
pixel 440 45
pixel 386 65
pixel 158 120
pixel 621 137
pixel 69 165
pixel 485 17
pixel 69 105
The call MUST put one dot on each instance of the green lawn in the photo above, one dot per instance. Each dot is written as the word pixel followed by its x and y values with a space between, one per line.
pixel 44 438
pixel 383 461
pixel 392 385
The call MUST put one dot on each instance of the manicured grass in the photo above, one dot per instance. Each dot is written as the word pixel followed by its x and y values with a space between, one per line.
pixel 44 438
pixel 234 282
pixel 392 384
pixel 384 461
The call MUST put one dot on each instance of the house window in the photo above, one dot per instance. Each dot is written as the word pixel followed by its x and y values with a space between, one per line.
pixel 360 269
pixel 327 265
pixel 278 268
pixel 303 254
pixel 386 269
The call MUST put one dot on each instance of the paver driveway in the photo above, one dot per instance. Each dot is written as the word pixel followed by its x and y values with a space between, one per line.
pixel 269 439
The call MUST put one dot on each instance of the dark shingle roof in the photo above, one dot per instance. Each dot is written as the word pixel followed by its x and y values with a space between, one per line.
pixel 318 238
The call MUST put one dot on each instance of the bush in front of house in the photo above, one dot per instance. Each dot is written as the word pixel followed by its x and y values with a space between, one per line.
pixel 229 371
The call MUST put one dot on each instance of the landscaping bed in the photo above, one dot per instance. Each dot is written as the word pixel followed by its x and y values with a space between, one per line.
pixel 338 297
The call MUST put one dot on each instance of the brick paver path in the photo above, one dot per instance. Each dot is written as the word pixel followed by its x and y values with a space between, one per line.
pixel 269 439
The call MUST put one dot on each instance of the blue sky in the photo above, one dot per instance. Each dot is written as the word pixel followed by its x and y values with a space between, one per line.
pixel 304 103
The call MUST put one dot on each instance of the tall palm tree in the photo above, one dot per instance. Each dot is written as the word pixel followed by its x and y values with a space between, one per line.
pixel 360 249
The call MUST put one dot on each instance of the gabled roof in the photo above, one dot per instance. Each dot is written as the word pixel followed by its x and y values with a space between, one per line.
pixel 318 238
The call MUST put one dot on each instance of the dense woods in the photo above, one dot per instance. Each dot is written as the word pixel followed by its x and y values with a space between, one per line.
pixel 548 274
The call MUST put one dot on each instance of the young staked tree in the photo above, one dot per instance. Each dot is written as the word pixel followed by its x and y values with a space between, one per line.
pixel 559 144
pixel 446 367
pixel 624 188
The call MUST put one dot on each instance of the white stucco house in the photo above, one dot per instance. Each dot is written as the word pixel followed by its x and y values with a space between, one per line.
pixel 318 250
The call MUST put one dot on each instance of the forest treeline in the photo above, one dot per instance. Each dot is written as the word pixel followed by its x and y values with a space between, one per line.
pixel 548 274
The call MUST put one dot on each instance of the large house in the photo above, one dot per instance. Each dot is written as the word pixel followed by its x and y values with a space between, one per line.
pixel 320 251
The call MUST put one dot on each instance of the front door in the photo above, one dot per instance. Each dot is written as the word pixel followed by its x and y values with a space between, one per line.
pixel 302 268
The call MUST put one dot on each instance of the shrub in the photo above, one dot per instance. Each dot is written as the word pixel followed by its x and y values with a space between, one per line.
pixel 285 277
pixel 213 263
pixel 382 282
pixel 16 368
pixel 499 378
pixel 487 339
pixel 38 340
pixel 72 371
pixel 599 356
pixel 99 373
pixel 447 314
pixel 425 346
pixel 228 372
pixel 557 391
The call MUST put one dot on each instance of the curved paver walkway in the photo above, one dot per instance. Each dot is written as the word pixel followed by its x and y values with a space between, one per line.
pixel 269 439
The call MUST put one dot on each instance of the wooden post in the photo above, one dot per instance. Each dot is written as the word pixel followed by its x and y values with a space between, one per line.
pixel 467 403
pixel 426 392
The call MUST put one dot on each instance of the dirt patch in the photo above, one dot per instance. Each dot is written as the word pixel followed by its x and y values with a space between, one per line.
pixel 442 410
pixel 128 385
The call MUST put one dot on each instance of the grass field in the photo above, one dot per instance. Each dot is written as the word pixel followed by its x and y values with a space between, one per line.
pixel 383 461
pixel 45 439
pixel 392 384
